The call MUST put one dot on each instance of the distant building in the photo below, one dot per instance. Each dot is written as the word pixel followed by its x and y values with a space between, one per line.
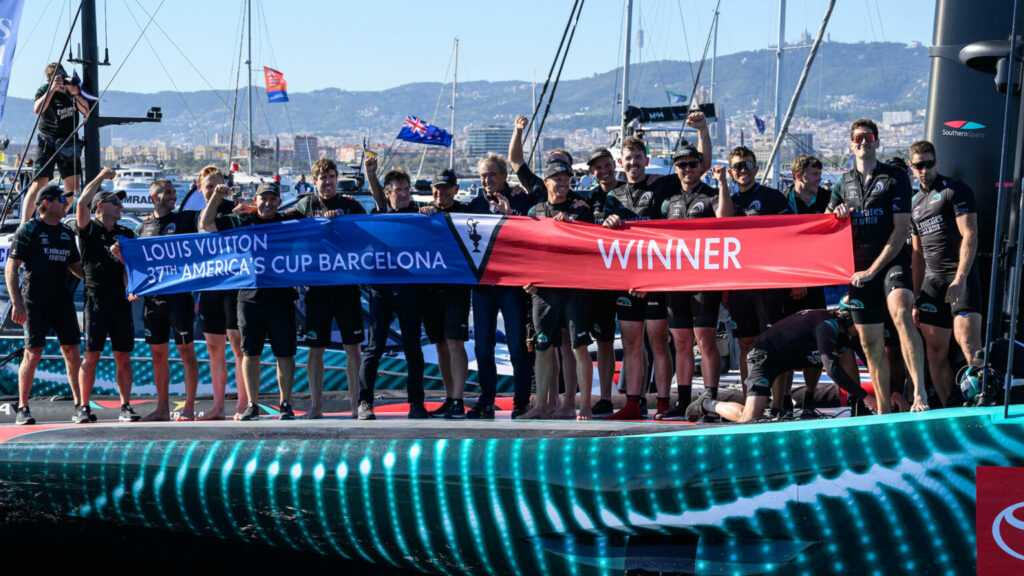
pixel 548 144
pixel 306 148
pixel 803 142
pixel 492 138
pixel 897 117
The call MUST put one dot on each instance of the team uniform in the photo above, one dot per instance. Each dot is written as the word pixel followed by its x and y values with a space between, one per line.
pixel 56 123
pixel 752 311
pixel 107 310
pixel 815 297
pixel 933 221
pixel 218 309
pixel 166 312
pixel 602 302
pixel 446 315
pixel 687 310
pixel 46 252
pixel 873 205
pixel 807 339
pixel 342 304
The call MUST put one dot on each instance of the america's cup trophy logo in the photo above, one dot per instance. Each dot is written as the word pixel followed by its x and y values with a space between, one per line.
pixel 474 235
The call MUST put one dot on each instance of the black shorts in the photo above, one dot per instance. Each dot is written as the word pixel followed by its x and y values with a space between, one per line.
pixel 868 304
pixel 633 309
pixel 932 308
pixel 109 316
pixel 813 300
pixel 602 314
pixel 554 309
pixel 257 322
pixel 760 373
pixel 687 310
pixel 218 311
pixel 160 314
pixel 57 314
pixel 446 313
pixel 339 303
pixel 68 161
pixel 753 311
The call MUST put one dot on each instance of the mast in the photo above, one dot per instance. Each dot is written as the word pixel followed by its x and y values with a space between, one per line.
pixel 248 62
pixel 778 90
pixel 625 69
pixel 714 57
pixel 455 76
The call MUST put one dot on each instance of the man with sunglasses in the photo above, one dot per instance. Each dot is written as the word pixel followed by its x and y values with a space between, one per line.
pixel 876 197
pixel 107 310
pixel 753 311
pixel 695 314
pixel 944 225
pixel 46 248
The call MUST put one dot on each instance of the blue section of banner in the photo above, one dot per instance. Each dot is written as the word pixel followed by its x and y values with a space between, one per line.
pixel 370 249
pixel 277 96
pixel 10 17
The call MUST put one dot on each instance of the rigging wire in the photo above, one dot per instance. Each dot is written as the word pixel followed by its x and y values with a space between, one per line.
pixel 440 95
pixel 547 81
pixel 28 38
pixel 551 98
pixel 700 70
pixel 618 69
pixel 686 41
pixel 234 105
pixel 236 58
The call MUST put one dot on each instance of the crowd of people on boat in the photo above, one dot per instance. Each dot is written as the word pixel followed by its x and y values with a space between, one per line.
pixel 915 291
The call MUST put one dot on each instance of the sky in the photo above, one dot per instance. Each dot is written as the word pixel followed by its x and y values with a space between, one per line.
pixel 374 45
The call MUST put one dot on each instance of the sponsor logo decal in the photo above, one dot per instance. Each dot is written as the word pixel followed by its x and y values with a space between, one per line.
pixel 311 335
pixel 623 301
pixel 999 519
pixel 755 205
pixel 964 125
pixel 937 197
pixel 856 304
pixel 476 234
pixel 963 129
pixel 928 308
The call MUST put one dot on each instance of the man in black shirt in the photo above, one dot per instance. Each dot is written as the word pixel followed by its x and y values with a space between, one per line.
pixel 107 309
pixel 558 309
pixel 876 197
pixel 533 183
pixel 342 304
pixel 58 102
pixel 262 312
pixel 168 313
pixel 46 248
pixel 944 223
pixel 446 309
pixel 694 315
pixel 807 338
pixel 389 300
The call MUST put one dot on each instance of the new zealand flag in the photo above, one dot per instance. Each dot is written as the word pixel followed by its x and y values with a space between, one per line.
pixel 416 130
pixel 759 123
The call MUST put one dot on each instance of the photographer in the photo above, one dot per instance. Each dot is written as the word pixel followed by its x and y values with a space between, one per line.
pixel 58 102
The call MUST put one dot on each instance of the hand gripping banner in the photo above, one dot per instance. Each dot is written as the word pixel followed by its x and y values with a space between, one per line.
pixel 705 254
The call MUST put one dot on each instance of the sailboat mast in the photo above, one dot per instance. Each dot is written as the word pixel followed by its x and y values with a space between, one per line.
pixel 455 76
pixel 248 62
pixel 778 89
pixel 625 69
pixel 714 57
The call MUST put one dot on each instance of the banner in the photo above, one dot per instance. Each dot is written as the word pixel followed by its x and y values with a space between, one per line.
pixel 715 254
pixel 277 88
pixel 999 520
pixel 10 17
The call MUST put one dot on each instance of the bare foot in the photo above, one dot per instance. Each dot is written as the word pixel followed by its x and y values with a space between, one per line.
pixel 215 414
pixel 185 416
pixel 585 415
pixel 871 402
pixel 900 402
pixel 565 412
pixel 314 414
pixel 158 415
pixel 540 412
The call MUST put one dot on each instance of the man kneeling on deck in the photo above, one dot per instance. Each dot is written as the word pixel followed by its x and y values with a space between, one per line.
pixel 805 339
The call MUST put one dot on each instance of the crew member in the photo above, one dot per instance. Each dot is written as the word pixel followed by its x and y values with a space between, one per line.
pixel 262 312
pixel 170 313
pixel 389 300
pixel 945 236
pixel 533 183
pixel 876 197
pixel 695 314
pixel 342 304
pixel 46 248
pixel 107 308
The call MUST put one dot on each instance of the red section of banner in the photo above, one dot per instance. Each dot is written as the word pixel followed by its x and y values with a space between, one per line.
pixel 275 80
pixel 1000 520
pixel 704 254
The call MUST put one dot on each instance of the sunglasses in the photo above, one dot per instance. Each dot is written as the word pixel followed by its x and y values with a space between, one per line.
pixel 923 165
pixel 745 165
pixel 59 199
pixel 862 138
pixel 115 201
pixel 688 165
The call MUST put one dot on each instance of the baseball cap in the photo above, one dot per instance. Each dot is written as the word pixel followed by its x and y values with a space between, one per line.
pixel 445 177
pixel 685 152
pixel 269 188
pixel 105 195
pixel 599 152
pixel 51 192
pixel 556 167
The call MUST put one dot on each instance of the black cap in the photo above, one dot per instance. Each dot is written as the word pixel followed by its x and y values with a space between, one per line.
pixel 556 167
pixel 599 152
pixel 269 188
pixel 445 177
pixel 686 153
pixel 898 162
pixel 51 192
pixel 105 195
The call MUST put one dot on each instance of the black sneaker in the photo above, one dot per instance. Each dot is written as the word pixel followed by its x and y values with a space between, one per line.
pixel 128 415
pixel 92 417
pixel 481 412
pixel 442 409
pixel 252 412
pixel 694 410
pixel 24 417
pixel 286 411
pixel 602 407
pixel 417 411
pixel 456 410
pixel 81 415
pixel 366 411
pixel 520 408
pixel 676 411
